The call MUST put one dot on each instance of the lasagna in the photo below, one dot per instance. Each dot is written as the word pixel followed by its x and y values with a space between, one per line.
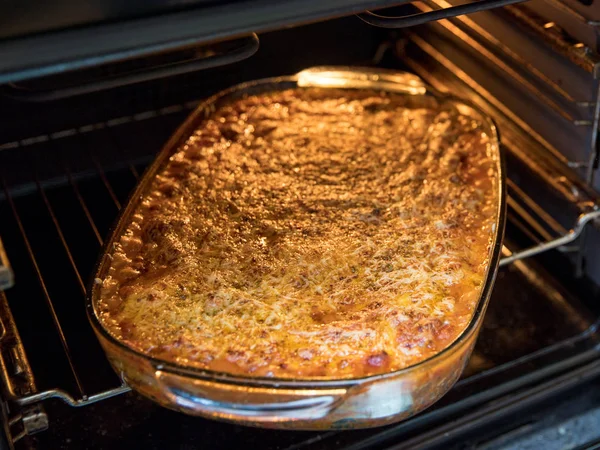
pixel 309 233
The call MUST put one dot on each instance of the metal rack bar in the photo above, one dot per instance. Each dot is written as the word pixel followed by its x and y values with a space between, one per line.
pixel 537 209
pixel 107 185
pixel 34 397
pixel 90 128
pixel 424 17
pixel 535 227
pixel 83 204
pixel 110 135
pixel 69 399
pixel 60 233
pixel 571 236
pixel 49 303
pixel 523 226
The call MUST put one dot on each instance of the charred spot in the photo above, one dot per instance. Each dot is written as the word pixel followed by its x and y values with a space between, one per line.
pixel 317 315
pixel 374 107
pixel 182 292
pixel 335 335
pixel 229 133
pixel 378 359
pixel 127 328
pixel 455 179
pixel 232 208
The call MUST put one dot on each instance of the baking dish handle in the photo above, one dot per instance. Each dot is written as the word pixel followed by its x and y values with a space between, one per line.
pixel 238 402
pixel 362 78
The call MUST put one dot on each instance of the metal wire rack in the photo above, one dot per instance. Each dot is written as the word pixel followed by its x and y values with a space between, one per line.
pixel 515 66
pixel 15 372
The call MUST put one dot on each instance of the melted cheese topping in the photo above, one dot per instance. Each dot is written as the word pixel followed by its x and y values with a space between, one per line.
pixel 312 233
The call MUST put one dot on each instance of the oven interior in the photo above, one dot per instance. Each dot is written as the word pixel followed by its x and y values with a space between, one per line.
pixel 70 156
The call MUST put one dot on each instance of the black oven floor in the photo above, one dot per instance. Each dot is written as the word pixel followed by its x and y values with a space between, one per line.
pixel 531 325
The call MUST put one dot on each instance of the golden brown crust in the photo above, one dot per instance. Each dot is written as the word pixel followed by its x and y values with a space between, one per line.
pixel 312 233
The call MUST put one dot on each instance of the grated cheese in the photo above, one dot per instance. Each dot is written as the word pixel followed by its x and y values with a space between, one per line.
pixel 315 234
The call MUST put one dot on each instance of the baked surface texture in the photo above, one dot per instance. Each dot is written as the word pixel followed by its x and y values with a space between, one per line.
pixel 311 233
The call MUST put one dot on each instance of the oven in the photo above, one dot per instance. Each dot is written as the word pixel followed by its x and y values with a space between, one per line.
pixel 89 94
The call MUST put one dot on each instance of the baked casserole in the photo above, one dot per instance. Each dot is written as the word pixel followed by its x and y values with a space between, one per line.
pixel 308 234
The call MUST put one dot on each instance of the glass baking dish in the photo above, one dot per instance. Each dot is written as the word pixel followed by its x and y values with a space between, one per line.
pixel 303 403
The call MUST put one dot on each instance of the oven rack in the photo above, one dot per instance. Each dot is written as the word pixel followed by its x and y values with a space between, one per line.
pixel 577 198
pixel 583 113
pixel 559 242
pixel 16 367
pixel 420 18
pixel 16 372
pixel 530 275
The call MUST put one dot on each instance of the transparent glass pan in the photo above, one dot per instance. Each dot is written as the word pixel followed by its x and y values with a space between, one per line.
pixel 301 404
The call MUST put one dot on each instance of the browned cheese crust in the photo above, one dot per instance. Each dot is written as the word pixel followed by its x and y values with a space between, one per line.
pixel 309 233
